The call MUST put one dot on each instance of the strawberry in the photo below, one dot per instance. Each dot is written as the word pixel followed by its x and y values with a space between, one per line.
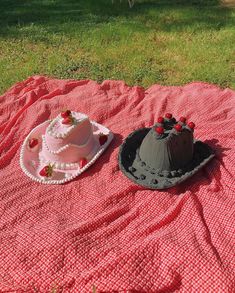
pixel 159 130
pixel 168 115
pixel 178 127
pixel 65 114
pixel 82 162
pixel 160 120
pixel 103 138
pixel 191 125
pixel 182 119
pixel 46 171
pixel 33 142
pixel 68 120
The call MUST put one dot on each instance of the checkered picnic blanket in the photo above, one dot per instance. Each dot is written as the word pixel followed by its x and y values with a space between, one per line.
pixel 101 230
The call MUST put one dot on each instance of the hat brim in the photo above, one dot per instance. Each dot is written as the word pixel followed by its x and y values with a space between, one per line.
pixel 129 165
pixel 31 164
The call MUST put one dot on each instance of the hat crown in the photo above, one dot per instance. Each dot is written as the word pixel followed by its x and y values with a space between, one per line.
pixel 69 143
pixel 169 151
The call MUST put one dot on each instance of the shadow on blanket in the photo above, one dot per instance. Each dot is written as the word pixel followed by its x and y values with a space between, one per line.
pixel 206 175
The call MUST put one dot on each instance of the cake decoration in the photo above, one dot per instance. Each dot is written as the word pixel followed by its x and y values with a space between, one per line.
pixel 65 113
pixel 168 115
pixel 33 142
pixel 62 151
pixel 163 155
pixel 191 125
pixel 159 130
pixel 102 138
pixel 178 127
pixel 46 171
pixel 82 162
pixel 182 119
pixel 160 120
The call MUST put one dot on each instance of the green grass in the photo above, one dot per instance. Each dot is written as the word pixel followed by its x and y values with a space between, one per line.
pixel 167 42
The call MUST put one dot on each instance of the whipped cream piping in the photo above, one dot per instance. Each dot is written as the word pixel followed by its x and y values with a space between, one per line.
pixel 61 166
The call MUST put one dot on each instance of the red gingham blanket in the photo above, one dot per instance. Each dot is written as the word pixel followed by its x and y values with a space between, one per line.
pixel 101 230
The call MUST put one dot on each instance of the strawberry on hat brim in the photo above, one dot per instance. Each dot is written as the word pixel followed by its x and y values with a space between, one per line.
pixel 82 162
pixel 33 142
pixel 46 171
pixel 103 138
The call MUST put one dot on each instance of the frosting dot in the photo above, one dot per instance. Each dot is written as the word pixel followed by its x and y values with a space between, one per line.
pixel 132 169
pixel 154 181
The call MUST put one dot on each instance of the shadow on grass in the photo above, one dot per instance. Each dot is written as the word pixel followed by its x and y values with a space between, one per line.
pixel 20 18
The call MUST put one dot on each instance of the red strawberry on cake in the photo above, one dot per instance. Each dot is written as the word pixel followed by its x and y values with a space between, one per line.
pixel 67 121
pixel 159 130
pixel 65 114
pixel 182 119
pixel 160 120
pixel 191 125
pixel 103 138
pixel 46 171
pixel 33 142
pixel 82 162
pixel 178 127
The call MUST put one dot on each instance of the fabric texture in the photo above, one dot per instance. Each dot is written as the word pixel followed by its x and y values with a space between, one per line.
pixel 101 230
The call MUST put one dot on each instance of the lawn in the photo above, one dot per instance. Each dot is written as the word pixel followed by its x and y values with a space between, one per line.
pixel 165 42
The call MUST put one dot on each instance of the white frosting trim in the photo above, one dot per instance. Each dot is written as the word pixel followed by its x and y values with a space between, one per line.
pixel 57 165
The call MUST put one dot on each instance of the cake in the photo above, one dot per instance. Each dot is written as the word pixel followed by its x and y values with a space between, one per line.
pixel 58 150
pixel 67 140
pixel 163 155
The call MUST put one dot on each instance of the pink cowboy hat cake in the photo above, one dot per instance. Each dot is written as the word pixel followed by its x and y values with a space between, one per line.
pixel 59 150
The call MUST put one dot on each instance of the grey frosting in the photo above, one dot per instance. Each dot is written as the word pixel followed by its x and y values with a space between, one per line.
pixel 171 151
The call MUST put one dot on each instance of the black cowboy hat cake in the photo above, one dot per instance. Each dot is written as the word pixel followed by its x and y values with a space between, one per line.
pixel 164 155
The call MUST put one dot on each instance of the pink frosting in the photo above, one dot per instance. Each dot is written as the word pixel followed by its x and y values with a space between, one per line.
pixel 77 142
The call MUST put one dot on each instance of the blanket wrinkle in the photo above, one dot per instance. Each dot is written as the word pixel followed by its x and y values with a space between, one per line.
pixel 205 234
pixel 120 197
pixel 167 217
pixel 104 219
pixel 101 229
